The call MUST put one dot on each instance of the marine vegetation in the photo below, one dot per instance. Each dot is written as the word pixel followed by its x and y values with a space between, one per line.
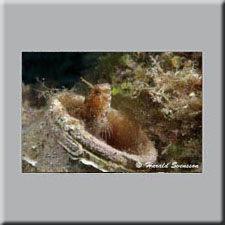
pixel 131 112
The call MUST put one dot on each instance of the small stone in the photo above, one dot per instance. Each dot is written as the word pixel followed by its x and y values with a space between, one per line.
pixel 34 147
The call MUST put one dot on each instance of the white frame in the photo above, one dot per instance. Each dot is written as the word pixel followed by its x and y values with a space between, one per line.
pixel 160 197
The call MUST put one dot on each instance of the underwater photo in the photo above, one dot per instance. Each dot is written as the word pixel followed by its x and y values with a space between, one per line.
pixel 117 112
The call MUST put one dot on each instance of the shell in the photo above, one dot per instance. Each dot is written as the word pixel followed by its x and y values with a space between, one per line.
pixel 72 134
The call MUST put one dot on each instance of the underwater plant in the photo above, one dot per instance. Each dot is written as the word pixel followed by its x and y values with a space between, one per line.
pixel 163 91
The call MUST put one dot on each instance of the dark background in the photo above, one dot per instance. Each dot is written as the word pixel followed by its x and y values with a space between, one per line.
pixel 62 68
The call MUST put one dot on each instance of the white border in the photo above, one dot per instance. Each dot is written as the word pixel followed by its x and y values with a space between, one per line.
pixel 2 112
pixel 87 2
pixel 48 181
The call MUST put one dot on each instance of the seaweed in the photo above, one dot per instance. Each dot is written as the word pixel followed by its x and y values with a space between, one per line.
pixel 164 91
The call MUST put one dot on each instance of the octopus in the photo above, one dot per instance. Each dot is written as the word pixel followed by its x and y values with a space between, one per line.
pixel 90 130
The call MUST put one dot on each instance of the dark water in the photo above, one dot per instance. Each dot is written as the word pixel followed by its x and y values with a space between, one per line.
pixel 63 68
